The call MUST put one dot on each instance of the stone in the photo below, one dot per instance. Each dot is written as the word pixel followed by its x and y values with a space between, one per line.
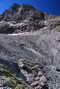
pixel 43 79
pixel 41 83
pixel 20 64
pixel 40 73
pixel 38 87
pixel 37 78
pixel 29 78
pixel 35 83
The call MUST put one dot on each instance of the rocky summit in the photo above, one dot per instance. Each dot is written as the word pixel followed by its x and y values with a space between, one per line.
pixel 29 49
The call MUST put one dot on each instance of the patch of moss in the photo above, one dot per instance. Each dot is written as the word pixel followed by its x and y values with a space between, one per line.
pixel 20 86
pixel 57 28
pixel 13 80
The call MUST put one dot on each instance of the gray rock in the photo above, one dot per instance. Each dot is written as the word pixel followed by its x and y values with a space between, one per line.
pixel 29 78
pixel 35 83
pixel 40 73
pixel 37 78
pixel 43 79
pixel 20 64
pixel 38 87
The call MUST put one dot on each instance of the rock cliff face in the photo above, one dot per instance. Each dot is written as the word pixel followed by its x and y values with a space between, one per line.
pixel 21 18
pixel 29 35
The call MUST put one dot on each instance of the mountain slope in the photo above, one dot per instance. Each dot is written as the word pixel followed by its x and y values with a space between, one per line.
pixel 29 35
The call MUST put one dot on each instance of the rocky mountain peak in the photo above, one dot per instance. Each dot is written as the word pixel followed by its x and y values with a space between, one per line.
pixel 21 18
pixel 21 12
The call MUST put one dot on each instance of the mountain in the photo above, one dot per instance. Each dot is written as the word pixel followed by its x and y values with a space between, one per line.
pixel 23 18
pixel 20 13
pixel 29 35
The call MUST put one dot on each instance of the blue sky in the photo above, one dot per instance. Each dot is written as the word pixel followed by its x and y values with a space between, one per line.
pixel 4 4
pixel 49 6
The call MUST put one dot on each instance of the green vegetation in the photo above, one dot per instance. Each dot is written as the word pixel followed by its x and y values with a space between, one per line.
pixel 14 81
pixel 57 28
